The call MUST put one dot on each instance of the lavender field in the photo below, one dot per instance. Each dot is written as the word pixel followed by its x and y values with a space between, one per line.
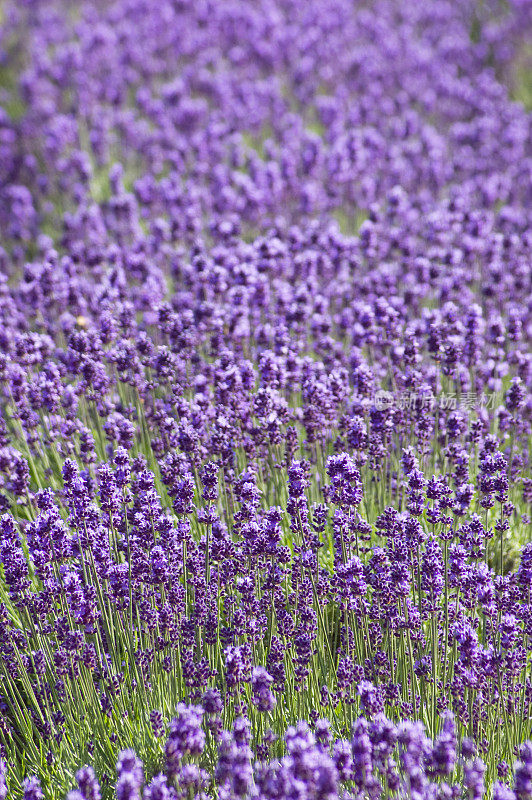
pixel 265 399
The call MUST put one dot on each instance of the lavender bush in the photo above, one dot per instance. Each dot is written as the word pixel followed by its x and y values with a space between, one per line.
pixel 265 400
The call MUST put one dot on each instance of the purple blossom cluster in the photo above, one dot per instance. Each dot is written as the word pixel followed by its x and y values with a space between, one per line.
pixel 227 229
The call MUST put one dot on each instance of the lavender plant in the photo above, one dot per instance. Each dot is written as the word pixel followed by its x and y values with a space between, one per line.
pixel 265 400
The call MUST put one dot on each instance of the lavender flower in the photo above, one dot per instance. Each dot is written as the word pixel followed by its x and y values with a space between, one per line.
pixel 186 736
pixel 261 681
pixel 32 789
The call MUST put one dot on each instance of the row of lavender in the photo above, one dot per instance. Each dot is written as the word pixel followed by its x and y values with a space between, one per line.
pixel 381 760
pixel 265 370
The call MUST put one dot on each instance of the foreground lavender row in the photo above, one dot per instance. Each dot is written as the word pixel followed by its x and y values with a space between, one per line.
pixel 265 400
pixel 381 760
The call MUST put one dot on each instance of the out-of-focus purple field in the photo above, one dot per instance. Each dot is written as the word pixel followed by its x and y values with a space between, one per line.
pixel 265 400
